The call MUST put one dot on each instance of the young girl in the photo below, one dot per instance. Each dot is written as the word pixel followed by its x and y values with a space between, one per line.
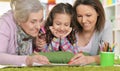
pixel 59 26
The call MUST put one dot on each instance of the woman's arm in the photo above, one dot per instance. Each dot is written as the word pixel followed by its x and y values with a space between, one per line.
pixel 81 59
pixel 9 59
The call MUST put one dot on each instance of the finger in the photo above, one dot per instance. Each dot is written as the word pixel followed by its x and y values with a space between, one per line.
pixel 36 53
pixel 44 62
pixel 51 28
pixel 42 37
pixel 56 34
pixel 41 62
pixel 81 60
pixel 76 56
pixel 41 41
pixel 76 61
pixel 68 31
pixel 44 58
pixel 41 44
pixel 40 58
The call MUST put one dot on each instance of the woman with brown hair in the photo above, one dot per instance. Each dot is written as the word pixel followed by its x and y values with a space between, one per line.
pixel 92 28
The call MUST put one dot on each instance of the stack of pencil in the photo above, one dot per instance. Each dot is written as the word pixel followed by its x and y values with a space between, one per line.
pixel 106 47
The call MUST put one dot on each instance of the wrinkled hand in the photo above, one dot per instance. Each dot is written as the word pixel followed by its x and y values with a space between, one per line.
pixel 80 59
pixel 40 41
pixel 58 35
pixel 40 59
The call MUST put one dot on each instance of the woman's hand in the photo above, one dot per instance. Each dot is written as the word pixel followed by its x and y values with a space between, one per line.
pixel 40 59
pixel 57 33
pixel 81 59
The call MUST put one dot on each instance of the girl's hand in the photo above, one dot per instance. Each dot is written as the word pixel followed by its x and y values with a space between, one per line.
pixel 58 34
pixel 54 32
pixel 67 32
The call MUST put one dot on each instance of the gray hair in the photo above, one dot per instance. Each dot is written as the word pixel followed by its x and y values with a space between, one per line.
pixel 23 8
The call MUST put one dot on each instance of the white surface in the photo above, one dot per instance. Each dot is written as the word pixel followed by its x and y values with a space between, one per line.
pixel 2 66
pixel 4 7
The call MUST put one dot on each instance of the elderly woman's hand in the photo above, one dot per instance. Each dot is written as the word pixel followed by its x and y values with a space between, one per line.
pixel 40 59
pixel 40 41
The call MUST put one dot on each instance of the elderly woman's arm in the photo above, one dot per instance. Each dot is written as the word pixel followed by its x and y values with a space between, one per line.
pixel 7 59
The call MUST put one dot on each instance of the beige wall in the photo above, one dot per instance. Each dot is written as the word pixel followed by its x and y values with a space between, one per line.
pixel 4 0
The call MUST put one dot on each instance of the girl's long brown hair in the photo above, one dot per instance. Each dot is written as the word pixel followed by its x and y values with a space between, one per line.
pixel 60 8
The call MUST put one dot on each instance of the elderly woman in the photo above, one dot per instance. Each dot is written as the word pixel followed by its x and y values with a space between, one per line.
pixel 18 27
